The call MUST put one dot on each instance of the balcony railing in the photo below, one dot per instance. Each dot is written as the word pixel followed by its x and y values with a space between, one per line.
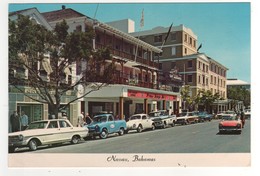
pixel 129 56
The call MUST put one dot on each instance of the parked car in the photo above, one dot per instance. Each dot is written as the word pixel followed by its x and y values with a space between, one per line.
pixel 220 114
pixel 46 132
pixel 204 116
pixel 140 122
pixel 186 118
pixel 105 124
pixel 230 123
pixel 247 113
pixel 162 118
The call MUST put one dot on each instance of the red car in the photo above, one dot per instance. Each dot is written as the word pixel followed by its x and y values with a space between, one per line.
pixel 230 123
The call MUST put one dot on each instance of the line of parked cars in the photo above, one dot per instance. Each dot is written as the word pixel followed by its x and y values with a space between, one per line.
pixel 56 131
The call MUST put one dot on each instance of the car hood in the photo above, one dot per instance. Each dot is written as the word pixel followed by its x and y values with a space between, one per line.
pixel 29 132
pixel 133 121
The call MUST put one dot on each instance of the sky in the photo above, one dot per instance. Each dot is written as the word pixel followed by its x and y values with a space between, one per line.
pixel 223 29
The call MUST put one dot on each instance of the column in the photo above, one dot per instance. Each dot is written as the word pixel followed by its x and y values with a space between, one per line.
pixel 146 106
pixel 164 104
pixel 121 108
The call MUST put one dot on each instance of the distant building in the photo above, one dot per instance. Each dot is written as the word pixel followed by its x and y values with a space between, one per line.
pixel 234 82
pixel 180 52
pixel 126 25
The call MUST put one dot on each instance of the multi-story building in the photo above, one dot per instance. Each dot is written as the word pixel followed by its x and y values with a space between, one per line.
pixel 180 52
pixel 135 88
pixel 18 101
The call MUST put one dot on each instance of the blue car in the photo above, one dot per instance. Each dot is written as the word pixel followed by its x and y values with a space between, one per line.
pixel 104 124
pixel 204 116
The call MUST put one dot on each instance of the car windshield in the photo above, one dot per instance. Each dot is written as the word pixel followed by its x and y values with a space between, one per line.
pixel 202 113
pixel 37 125
pixel 100 119
pixel 183 114
pixel 135 117
pixel 154 114
pixel 229 118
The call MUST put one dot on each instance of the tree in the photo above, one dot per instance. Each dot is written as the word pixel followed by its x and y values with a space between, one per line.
pixel 57 52
pixel 186 98
pixel 236 94
pixel 207 99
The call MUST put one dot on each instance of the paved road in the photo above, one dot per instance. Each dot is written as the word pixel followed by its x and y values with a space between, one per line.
pixel 195 138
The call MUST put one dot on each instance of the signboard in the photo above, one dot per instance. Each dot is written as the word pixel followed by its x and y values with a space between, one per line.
pixel 149 95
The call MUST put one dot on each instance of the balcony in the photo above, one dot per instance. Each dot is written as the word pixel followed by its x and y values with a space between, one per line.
pixel 129 56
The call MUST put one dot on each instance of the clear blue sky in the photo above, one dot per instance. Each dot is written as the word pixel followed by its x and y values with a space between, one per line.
pixel 222 28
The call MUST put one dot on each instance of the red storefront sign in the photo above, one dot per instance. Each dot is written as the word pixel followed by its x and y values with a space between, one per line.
pixel 149 95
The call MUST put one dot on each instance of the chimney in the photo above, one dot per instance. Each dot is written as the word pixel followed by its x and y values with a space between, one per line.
pixel 63 7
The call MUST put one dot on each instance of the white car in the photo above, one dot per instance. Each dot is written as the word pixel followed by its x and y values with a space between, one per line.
pixel 187 118
pixel 46 132
pixel 162 118
pixel 140 122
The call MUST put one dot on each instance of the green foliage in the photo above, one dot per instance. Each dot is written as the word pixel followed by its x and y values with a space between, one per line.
pixel 239 94
pixel 30 42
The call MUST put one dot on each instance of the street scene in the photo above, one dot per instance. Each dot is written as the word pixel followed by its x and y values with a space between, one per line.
pixel 199 138
pixel 82 83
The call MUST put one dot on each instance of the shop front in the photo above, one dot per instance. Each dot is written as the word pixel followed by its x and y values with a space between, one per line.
pixel 124 101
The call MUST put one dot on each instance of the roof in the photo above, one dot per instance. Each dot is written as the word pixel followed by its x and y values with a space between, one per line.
pixel 162 30
pixel 20 11
pixel 33 13
pixel 231 82
pixel 61 14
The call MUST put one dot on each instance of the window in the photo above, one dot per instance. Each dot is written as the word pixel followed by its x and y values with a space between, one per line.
pixel 194 43
pixel 199 79
pixel 110 118
pixel 185 50
pixel 53 124
pixel 189 78
pixel 173 51
pixel 78 28
pixel 190 64
pixel 158 38
pixel 63 124
pixel 185 37
pixel 144 117
pixel 190 41
pixel 199 64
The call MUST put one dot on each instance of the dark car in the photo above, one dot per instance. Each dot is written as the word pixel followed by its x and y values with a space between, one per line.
pixel 204 116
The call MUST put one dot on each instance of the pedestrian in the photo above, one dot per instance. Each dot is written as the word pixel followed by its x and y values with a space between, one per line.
pixel 242 117
pixel 81 120
pixel 24 121
pixel 64 116
pixel 15 121
pixel 88 119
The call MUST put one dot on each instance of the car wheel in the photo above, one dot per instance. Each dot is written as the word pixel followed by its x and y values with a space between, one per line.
pixel 33 145
pixel 103 134
pixel 121 131
pixel 126 131
pixel 164 125
pixel 139 129
pixel 173 124
pixel 153 127
pixel 75 140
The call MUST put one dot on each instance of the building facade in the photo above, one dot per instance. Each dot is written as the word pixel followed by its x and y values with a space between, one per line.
pixel 135 88
pixel 180 52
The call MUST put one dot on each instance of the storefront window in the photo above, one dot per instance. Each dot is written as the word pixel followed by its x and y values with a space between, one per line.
pixel 33 111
